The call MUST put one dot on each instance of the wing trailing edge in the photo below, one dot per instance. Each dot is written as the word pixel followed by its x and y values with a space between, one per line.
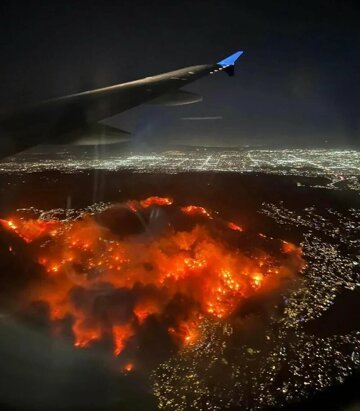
pixel 72 119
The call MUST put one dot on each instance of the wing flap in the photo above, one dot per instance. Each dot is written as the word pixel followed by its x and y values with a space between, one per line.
pixel 55 118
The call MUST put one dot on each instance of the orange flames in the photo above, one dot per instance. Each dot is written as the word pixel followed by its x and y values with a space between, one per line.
pixel 31 229
pixel 160 201
pixel 128 367
pixel 121 334
pixel 109 286
pixel 234 227
pixel 196 210
pixel 187 332
pixel 148 202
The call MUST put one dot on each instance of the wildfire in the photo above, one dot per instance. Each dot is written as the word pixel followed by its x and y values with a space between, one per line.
pixel 31 229
pixel 128 367
pixel 187 332
pixel 234 226
pixel 144 309
pixel 196 210
pixel 121 335
pixel 148 202
pixel 111 286
pixel 191 336
pixel 160 201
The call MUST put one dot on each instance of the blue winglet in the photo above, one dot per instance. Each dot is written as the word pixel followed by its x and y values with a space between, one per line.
pixel 230 61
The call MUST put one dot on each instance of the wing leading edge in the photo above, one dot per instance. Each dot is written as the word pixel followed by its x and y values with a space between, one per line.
pixel 59 120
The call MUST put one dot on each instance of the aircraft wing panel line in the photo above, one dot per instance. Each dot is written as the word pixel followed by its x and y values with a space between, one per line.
pixel 49 120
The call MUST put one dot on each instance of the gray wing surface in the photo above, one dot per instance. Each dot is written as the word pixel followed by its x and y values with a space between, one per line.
pixel 65 120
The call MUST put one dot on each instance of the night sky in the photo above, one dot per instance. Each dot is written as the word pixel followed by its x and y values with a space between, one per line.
pixel 296 84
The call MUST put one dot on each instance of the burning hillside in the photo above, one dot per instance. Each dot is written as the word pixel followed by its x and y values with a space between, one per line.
pixel 107 278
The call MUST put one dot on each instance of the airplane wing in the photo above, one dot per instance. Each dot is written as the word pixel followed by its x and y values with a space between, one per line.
pixel 72 119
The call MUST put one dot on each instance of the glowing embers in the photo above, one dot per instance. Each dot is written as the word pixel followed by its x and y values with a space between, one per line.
pixel 160 201
pixel 234 227
pixel 121 334
pixel 257 279
pixel 144 308
pixel 110 287
pixel 84 333
pixel 135 205
pixel 196 210
pixel 186 332
pixel 30 230
pixel 128 367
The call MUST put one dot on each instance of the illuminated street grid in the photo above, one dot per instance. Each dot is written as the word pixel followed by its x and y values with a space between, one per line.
pixel 331 267
pixel 339 165
pixel 252 378
pixel 289 362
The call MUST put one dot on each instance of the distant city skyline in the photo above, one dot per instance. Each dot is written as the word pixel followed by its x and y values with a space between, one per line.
pixel 338 166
